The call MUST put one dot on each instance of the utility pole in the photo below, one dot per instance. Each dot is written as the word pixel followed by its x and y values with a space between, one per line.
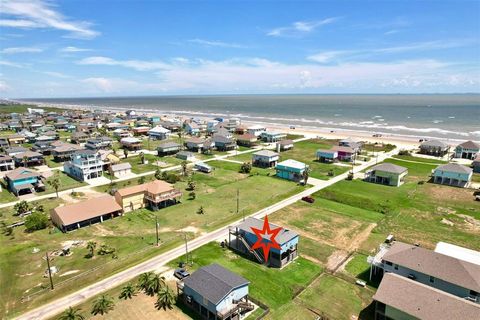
pixel 186 248
pixel 49 271
pixel 238 199
pixel 156 228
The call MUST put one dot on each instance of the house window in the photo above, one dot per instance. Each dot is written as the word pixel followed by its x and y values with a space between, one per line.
pixel 205 301
pixel 432 279
pixel 388 263
pixel 395 267
pixel 473 293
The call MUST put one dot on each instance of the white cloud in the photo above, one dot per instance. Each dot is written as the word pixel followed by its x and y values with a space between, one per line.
pixel 133 64
pixel 15 50
pixel 300 27
pixel 71 49
pixel 56 74
pixel 4 87
pixel 109 85
pixel 213 43
pixel 11 64
pixel 42 14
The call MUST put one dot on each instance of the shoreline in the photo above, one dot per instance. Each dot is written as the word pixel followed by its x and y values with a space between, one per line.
pixel 329 132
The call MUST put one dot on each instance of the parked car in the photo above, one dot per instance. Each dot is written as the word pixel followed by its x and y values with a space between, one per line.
pixel 181 273
pixel 308 199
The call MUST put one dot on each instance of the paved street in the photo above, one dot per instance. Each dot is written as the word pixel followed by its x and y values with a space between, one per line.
pixel 57 306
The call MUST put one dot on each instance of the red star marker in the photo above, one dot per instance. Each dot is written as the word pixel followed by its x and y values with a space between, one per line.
pixel 266 242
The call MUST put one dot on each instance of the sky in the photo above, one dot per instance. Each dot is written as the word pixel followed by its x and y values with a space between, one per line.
pixel 132 48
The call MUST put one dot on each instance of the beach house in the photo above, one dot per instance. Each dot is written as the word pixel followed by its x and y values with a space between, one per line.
pixel 386 173
pixel 214 292
pixel 223 143
pixel 159 133
pixel 453 174
pixel 85 213
pixel 141 131
pixel 79 137
pixel 327 156
pixel 168 148
pixel 272 136
pixel 284 145
pixel 23 181
pixel 192 128
pixel 28 158
pixel 15 139
pixel 63 151
pixel 154 195
pixel 84 165
pixel 6 163
pixel 242 238
pixel 247 140
pixel 256 130
pixel 476 164
pixel 467 150
pixel 15 150
pixel 185 155
pixel 195 144
pixel 434 148
pixel 345 153
pixel 131 143
pixel 120 169
pixel 265 159
pixel 291 170
pixel 99 143
pixel 349 142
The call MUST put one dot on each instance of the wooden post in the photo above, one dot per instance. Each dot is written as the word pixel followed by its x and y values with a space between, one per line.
pixel 49 271
pixel 156 228
pixel 186 248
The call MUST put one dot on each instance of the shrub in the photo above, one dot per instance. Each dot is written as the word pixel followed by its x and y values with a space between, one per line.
pixel 246 167
pixel 36 221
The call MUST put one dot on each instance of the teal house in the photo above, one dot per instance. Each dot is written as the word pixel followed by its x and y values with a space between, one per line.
pixel 23 181
pixel 453 174
pixel 291 170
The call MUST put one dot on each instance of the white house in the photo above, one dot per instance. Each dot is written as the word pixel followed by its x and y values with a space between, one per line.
pixel 159 133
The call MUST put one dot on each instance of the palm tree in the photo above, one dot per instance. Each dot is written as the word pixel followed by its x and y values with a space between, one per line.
pixel 184 168
pixel 125 152
pixel 155 284
pixel 71 314
pixel 142 157
pixel 25 161
pixel 306 174
pixel 128 292
pixel 55 183
pixel 102 305
pixel 144 280
pixel 165 299
pixel 91 245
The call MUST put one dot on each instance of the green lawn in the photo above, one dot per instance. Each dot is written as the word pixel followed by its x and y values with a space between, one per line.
pixel 66 182
pixel 272 286
pixel 305 151
pixel 22 108
pixel 476 177
pixel 419 159
pixel 51 163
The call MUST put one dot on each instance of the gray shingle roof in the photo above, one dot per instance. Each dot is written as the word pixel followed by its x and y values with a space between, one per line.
pixel 434 143
pixel 422 301
pixel 214 282
pixel 265 153
pixel 449 269
pixel 283 236
pixel 389 167
pixel 469 145
pixel 454 167
pixel 167 145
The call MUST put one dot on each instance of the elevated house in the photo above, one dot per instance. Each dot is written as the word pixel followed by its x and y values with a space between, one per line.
pixel 247 140
pixel 85 213
pixel 345 153
pixel 192 128
pixel 185 155
pixel 214 292
pixel 222 131
pixel 195 144
pixel 327 156
pixel 387 174
pixel 476 164
pixel 84 165
pixel 159 133
pixel 291 170
pixel 434 148
pixel 284 145
pixel 63 151
pixel 256 130
pixel 79 137
pixel 454 276
pixel 467 150
pixel 6 163
pixel 23 181
pixel 47 137
pixel 453 174
pixel 242 238
pixel 99 143
pixel 272 136
pixel 351 143
pixel 153 195
pixel 167 148
pixel 141 131
pixel 223 143
pixel 15 139
pixel 401 298
pixel 29 136
pixel 28 158
pixel 131 144
pixel 265 159
pixel 15 150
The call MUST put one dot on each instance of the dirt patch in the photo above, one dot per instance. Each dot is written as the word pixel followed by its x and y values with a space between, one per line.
pixel 69 273
pixel 441 193
pixel 471 222
pixel 189 229
pixel 101 231
pixel 446 210
pixel 336 259
pixel 447 222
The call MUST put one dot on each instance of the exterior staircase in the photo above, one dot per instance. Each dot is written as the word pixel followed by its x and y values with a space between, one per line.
pixel 254 252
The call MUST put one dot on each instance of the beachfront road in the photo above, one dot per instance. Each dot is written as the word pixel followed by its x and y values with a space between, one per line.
pixel 57 306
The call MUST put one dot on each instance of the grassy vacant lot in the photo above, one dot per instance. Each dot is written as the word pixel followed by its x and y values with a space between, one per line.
pixel 21 108
pixel 419 159
pixel 132 235
pixel 52 163
pixel 305 151
pixel 66 182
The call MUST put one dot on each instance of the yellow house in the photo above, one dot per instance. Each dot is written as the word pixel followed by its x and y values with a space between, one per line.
pixel 155 195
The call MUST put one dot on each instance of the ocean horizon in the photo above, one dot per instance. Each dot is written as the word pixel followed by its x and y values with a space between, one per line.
pixel 447 116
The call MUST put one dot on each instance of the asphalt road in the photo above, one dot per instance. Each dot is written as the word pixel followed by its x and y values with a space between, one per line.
pixel 57 306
